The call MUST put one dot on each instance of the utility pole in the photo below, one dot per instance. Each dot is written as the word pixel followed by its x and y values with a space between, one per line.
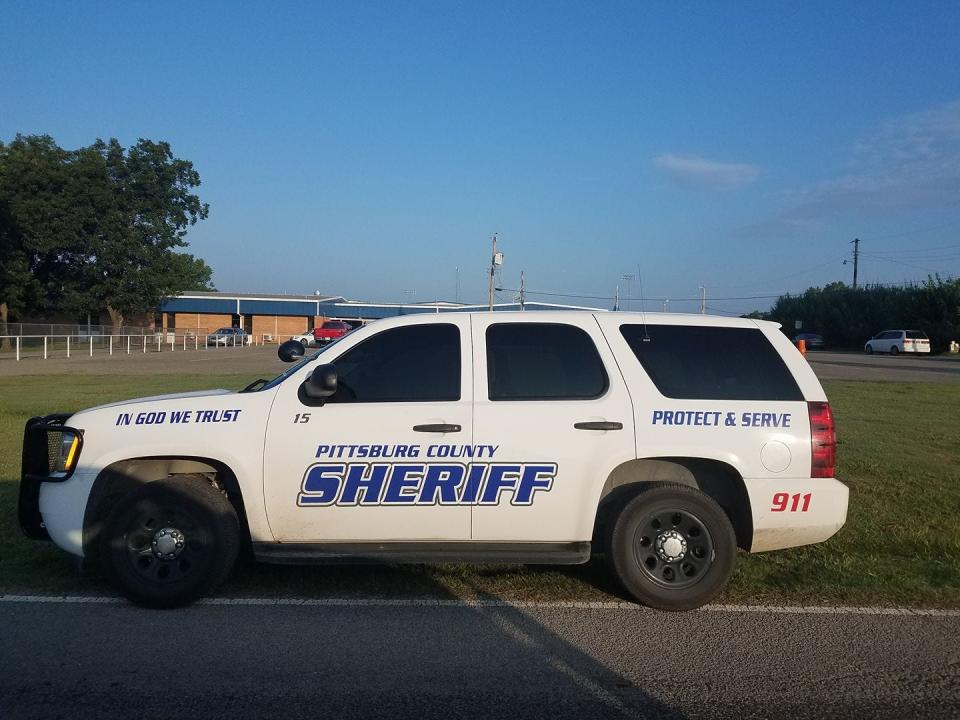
pixel 666 302
pixel 496 259
pixel 629 279
pixel 616 299
pixel 457 296
pixel 703 300
pixel 856 259
pixel 523 291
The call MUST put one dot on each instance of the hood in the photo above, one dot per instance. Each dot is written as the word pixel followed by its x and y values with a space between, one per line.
pixel 172 396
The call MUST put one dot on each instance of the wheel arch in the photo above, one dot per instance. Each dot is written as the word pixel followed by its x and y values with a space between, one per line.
pixel 123 476
pixel 717 479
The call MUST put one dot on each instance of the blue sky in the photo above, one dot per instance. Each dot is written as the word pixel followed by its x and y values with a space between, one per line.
pixel 371 148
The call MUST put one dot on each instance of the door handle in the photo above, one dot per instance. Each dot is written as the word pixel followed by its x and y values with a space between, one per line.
pixel 438 427
pixel 602 425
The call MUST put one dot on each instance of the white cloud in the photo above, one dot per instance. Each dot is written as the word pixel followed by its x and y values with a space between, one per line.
pixel 699 172
pixel 909 162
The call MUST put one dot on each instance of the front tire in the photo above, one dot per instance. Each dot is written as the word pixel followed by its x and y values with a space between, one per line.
pixel 672 547
pixel 170 542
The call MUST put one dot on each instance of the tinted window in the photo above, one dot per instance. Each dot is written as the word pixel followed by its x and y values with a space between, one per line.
pixel 916 335
pixel 542 361
pixel 418 363
pixel 711 363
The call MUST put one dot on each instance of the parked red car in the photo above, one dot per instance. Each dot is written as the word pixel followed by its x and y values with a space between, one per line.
pixel 331 330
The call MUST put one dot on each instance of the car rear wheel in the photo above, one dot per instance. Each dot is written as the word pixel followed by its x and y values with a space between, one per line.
pixel 672 547
pixel 170 542
pixel 894 350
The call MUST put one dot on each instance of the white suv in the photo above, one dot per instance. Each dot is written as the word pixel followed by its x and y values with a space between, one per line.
pixel 663 442
pixel 898 341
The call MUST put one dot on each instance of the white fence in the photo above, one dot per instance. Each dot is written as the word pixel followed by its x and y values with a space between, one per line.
pixel 18 347
pixel 77 330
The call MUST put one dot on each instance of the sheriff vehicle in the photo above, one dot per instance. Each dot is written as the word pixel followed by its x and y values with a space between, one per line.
pixel 662 442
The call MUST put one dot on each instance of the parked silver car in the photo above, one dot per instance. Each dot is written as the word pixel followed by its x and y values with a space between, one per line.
pixel 228 336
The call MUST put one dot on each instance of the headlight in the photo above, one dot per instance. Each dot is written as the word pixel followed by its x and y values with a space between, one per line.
pixel 69 445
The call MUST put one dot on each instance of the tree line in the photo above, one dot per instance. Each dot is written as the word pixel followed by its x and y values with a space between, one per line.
pixel 848 317
pixel 97 228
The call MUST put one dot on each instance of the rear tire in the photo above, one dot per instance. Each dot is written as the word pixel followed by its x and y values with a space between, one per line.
pixel 672 547
pixel 170 542
pixel 894 350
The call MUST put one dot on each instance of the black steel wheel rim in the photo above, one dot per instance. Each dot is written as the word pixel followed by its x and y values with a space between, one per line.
pixel 673 548
pixel 149 519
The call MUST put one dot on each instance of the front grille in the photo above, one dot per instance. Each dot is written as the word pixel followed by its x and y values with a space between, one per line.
pixel 41 445
pixel 40 460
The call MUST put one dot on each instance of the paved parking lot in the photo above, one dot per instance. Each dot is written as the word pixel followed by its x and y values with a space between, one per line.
pixel 369 659
pixel 893 368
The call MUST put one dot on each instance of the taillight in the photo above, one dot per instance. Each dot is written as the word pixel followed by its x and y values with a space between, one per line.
pixel 823 440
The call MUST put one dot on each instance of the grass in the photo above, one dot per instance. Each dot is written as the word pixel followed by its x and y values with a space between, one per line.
pixel 899 453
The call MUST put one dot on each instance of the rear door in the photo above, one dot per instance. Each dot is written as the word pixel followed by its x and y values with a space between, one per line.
pixel 552 418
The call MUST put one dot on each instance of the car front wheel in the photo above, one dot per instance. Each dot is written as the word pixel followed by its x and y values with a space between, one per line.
pixel 170 542
pixel 672 547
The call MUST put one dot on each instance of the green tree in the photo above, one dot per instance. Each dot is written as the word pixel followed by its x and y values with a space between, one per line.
pixel 98 227
pixel 143 202
pixel 38 231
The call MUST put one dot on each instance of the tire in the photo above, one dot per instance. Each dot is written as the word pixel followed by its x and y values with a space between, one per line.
pixel 894 350
pixel 869 349
pixel 650 519
pixel 170 542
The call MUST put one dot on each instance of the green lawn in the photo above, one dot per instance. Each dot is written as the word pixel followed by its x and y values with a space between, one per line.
pixel 899 453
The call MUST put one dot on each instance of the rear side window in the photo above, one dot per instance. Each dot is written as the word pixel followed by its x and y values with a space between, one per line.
pixel 417 363
pixel 542 361
pixel 916 335
pixel 691 362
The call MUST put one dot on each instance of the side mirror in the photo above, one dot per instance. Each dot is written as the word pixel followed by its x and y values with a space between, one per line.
pixel 322 383
pixel 291 351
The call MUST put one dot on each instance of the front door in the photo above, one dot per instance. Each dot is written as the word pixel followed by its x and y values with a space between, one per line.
pixel 381 460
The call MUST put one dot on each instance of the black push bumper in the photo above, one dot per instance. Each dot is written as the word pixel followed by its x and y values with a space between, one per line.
pixel 41 447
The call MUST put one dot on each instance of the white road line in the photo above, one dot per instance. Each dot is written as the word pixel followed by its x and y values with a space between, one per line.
pixel 519 604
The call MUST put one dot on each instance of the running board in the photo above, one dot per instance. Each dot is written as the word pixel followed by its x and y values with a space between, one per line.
pixel 570 553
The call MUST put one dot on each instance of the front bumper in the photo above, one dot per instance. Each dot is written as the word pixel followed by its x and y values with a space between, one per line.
pixel 40 436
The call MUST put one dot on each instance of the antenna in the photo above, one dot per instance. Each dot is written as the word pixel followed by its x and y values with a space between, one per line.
pixel 643 311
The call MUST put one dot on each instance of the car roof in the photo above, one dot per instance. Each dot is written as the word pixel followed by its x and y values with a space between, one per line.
pixel 561 316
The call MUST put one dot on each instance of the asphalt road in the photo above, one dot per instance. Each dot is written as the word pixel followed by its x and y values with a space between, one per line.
pixel 457 661
pixel 899 368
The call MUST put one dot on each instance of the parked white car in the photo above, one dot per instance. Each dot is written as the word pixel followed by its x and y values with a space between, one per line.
pixel 898 341
pixel 306 339
pixel 487 437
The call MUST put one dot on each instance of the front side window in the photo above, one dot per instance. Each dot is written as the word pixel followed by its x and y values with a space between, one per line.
pixel 417 363
pixel 543 361
pixel 693 362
